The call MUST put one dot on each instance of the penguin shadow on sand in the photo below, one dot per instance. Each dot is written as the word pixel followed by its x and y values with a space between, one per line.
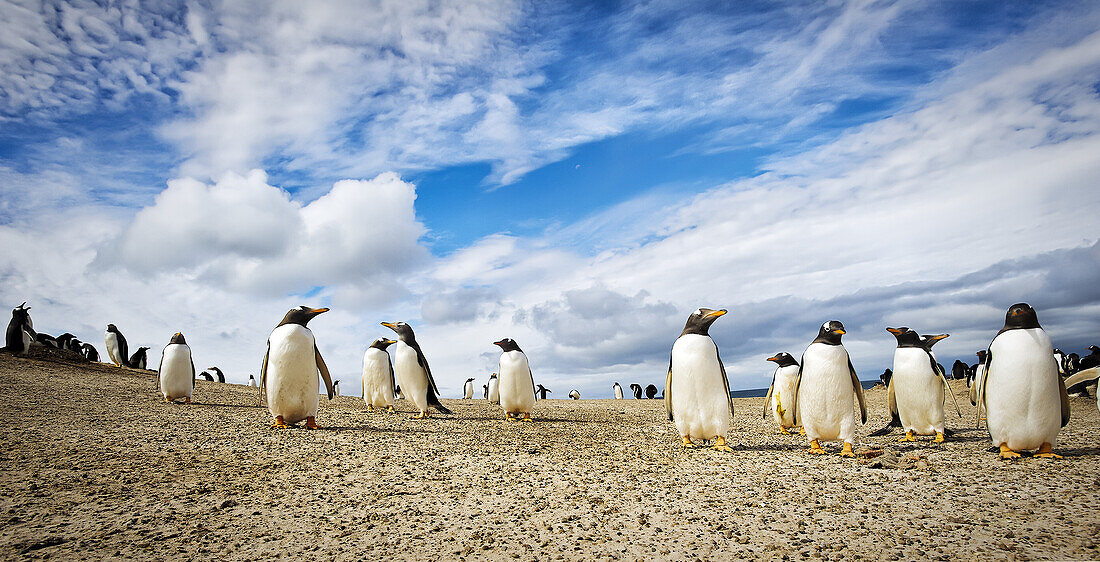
pixel 371 429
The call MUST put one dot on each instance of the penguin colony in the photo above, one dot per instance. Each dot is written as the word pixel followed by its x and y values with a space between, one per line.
pixel 1019 383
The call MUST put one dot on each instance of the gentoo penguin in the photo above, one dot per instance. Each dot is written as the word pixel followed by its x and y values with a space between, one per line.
pixel 217 373
pixel 336 388
pixel 575 394
pixel 485 391
pixel 251 380
pixel 823 393
pixel 89 352
pixel 884 378
pixel 1084 377
pixel 697 394
pixel 46 340
pixel 958 370
pixel 20 335
pixel 397 394
pixel 75 345
pixel 206 376
pixel 139 360
pixel 494 389
pixel 378 385
pixel 117 350
pixel 176 370
pixel 541 392
pixel 1024 399
pixel 1060 357
pixel 517 384
pixel 918 389
pixel 618 390
pixel 636 389
pixel 412 370
pixel 290 367
pixel 1073 363
pixel 1085 363
pixel 975 384
pixel 62 341
pixel 468 389
pixel 781 392
pixel 651 391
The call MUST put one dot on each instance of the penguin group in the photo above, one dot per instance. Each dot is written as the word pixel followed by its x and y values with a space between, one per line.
pixel 21 337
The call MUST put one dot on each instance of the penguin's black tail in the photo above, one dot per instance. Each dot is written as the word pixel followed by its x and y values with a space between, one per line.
pixel 433 401
pixel 895 421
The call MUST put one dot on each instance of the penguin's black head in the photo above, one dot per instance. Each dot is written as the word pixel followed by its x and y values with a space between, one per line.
pixel 783 359
pixel 141 350
pixel 492 376
pixel 404 331
pixel 981 355
pixel 699 322
pixel 1092 348
pixel 301 315
pixel 469 379
pixel 112 328
pixel 830 333
pixel 905 336
pixel 178 338
pixel 507 344
pixel 216 370
pixel 1059 351
pixel 382 343
pixel 929 341
pixel 1021 316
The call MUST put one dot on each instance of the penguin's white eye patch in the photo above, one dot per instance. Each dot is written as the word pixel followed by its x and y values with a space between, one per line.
pixel 825 326
pixel 698 311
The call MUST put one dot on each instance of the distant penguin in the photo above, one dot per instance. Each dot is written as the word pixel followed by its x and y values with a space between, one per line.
pixel 290 368
pixel 117 350
pixel 823 394
pixel 1061 359
pixel 1073 363
pixel 217 373
pixel 618 390
pixel 697 393
pixel 46 340
pixel 379 388
pixel 1085 376
pixel 397 394
pixel 918 389
pixel 336 388
pixel 206 376
pixel 468 389
pixel 139 360
pixel 958 370
pixel 90 353
pixel 884 378
pixel 541 392
pixel 176 373
pixel 575 394
pixel 517 384
pixel 780 394
pixel 494 389
pixel 976 382
pixel 636 390
pixel 20 335
pixel 411 368
pixel 251 380
pixel 1087 362
pixel 75 345
pixel 651 391
pixel 63 340
pixel 485 391
pixel 1022 394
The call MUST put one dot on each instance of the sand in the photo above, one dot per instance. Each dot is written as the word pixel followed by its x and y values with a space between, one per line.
pixel 95 465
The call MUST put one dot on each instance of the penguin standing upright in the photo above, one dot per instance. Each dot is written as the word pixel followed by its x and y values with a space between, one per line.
pixel 541 392
pixel 218 374
pixel 781 392
pixel 411 369
pixel 378 384
pixel 918 389
pixel 618 390
pixel 290 368
pixel 517 384
pixel 1085 363
pixel 1022 394
pixel 336 388
pixel 176 373
pixel 575 394
pixel 468 389
pixel 20 335
pixel 823 393
pixel 485 391
pixel 976 381
pixel 697 393
pixel 139 360
pixel 1060 357
pixel 251 380
pixel 207 376
pixel 636 389
pixel 89 352
pixel 117 350
pixel 650 391
pixel 494 389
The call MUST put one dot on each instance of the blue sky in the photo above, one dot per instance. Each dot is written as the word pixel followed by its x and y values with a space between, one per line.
pixel 578 178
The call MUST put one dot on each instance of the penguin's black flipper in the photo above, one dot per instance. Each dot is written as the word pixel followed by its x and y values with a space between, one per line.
pixel 985 378
pixel 263 370
pixel 725 381
pixel 1063 396
pixel 433 400
pixel 859 390
pixel 798 383
pixel 668 389
pixel 324 372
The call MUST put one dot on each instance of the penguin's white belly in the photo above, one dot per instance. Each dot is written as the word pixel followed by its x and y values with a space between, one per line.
pixel 111 341
pixel 377 386
pixel 700 405
pixel 292 376
pixel 976 384
pixel 468 391
pixel 782 398
pixel 1022 401
pixel 494 390
pixel 918 392
pixel 619 392
pixel 826 402
pixel 175 372
pixel 410 375
pixel 252 382
pixel 517 393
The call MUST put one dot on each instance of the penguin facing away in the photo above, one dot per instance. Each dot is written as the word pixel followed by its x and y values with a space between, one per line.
pixel 636 389
pixel 378 383
pixel 824 389
pixel 650 391
pixel 575 394
pixel 117 350
pixel 468 389
pixel 290 368
pixel 778 399
pixel 412 371
pixel 494 389
pixel 697 393
pixel 139 360
pixel 919 388
pixel 20 335
pixel 1022 394
pixel 617 390
pixel 517 384
pixel 176 372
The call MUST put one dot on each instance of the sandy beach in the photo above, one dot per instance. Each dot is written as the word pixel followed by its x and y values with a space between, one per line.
pixel 95 465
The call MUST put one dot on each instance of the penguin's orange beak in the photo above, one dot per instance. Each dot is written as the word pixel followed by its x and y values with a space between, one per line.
pixel 318 310
pixel 894 331
pixel 939 337
pixel 391 341
pixel 390 325
pixel 501 342
pixel 773 358
pixel 841 332
pixel 717 313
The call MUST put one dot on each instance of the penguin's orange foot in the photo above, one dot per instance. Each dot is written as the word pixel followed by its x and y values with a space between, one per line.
pixel 508 416
pixel 370 407
pixel 311 423
pixel 847 451
pixel 527 418
pixel 909 436
pixel 166 400
pixel 1007 453
pixel 391 410
pixel 1046 452
pixel 279 423
pixel 815 448
pixel 687 444
pixel 720 444
pixel 939 437
pixel 188 401
pixel 784 430
pixel 423 414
